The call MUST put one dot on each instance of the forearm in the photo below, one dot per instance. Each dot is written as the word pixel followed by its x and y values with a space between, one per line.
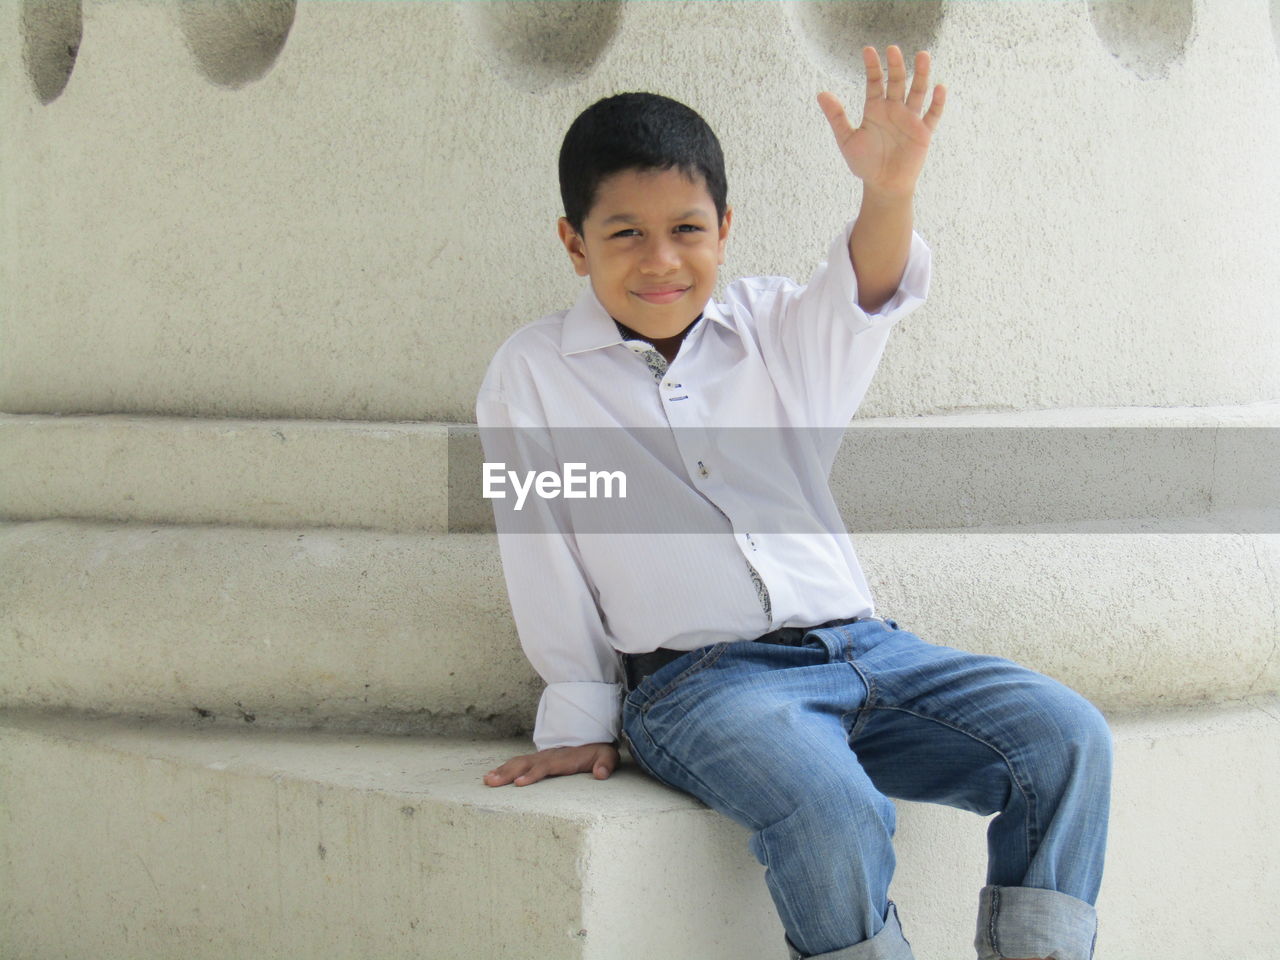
pixel 878 247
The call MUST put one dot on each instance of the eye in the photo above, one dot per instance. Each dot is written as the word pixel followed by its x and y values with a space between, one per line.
pixel 623 233
pixel 689 227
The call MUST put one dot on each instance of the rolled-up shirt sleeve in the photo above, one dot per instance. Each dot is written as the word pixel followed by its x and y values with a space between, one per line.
pixel 552 599
pixel 819 337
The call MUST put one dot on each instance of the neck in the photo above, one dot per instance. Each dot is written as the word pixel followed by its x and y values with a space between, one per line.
pixel 667 346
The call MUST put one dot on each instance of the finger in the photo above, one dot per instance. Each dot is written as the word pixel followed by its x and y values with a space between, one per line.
pixel 537 770
pixel 897 74
pixel 919 83
pixel 875 75
pixel 554 763
pixel 934 113
pixel 604 763
pixel 506 772
pixel 834 112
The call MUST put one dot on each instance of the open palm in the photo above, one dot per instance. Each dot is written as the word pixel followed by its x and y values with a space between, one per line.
pixel 888 150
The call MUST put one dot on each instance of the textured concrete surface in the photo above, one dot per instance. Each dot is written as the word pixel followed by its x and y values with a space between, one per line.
pixel 295 627
pixel 265 473
pixel 958 470
pixel 351 233
pixel 1150 37
pixel 150 840
pixel 267 248
pixel 403 632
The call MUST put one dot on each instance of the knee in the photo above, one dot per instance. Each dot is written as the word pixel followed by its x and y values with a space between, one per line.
pixel 1090 732
pixel 1082 737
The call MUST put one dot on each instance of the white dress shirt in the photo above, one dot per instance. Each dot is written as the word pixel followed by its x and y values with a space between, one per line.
pixel 586 578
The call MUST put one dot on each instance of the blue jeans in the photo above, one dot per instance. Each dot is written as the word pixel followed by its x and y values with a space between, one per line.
pixel 804 745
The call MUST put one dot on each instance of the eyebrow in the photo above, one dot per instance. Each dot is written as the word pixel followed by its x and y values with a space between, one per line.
pixel 628 218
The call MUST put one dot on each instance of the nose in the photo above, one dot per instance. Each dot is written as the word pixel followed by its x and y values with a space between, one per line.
pixel 659 257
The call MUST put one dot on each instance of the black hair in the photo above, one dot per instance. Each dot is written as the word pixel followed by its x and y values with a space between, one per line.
pixel 636 131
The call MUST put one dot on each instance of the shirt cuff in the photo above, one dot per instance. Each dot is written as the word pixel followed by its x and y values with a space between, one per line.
pixel 911 292
pixel 577 712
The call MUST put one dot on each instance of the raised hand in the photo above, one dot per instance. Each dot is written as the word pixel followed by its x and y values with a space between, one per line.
pixel 887 151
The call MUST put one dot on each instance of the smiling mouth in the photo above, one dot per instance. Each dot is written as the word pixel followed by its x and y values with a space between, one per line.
pixel 661 295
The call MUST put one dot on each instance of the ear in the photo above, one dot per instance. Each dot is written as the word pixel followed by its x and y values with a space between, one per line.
pixel 724 232
pixel 575 246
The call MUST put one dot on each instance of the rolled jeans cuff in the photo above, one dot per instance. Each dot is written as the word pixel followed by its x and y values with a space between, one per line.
pixel 887 944
pixel 1029 922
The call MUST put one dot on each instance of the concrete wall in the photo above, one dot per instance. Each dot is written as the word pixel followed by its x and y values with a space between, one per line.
pixel 321 216
pixel 338 209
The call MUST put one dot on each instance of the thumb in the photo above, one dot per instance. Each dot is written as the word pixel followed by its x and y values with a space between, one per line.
pixel 833 110
pixel 602 766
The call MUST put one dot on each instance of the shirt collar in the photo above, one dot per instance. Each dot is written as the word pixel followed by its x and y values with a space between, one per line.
pixel 588 326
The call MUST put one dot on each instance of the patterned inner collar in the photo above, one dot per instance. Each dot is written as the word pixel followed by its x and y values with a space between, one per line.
pixel 628 334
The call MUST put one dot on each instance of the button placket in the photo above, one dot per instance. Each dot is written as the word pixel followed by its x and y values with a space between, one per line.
pixel 658 366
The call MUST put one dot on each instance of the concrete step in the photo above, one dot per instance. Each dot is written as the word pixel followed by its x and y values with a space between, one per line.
pixel 328 627
pixel 351 629
pixel 266 473
pixel 125 839
pixel 963 470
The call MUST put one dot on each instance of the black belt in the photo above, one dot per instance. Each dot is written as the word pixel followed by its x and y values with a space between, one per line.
pixel 637 666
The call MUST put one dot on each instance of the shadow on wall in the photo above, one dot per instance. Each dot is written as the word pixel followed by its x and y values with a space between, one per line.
pixel 834 31
pixel 235 41
pixel 50 41
pixel 1147 36
pixel 537 45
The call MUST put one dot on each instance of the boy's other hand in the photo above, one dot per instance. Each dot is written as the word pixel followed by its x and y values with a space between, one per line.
pixel 598 759
pixel 887 151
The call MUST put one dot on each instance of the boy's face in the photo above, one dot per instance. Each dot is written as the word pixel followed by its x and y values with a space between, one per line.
pixel 652 247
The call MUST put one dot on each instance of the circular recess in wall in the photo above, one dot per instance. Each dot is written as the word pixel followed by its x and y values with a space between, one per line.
pixel 1275 23
pixel 50 41
pixel 235 41
pixel 835 31
pixel 538 45
pixel 1147 36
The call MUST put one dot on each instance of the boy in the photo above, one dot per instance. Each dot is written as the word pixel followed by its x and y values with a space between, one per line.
pixel 756 676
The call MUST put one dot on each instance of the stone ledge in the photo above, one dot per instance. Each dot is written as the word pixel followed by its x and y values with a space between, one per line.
pixel 960 470
pixel 413 632
pixel 271 473
pixel 250 842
